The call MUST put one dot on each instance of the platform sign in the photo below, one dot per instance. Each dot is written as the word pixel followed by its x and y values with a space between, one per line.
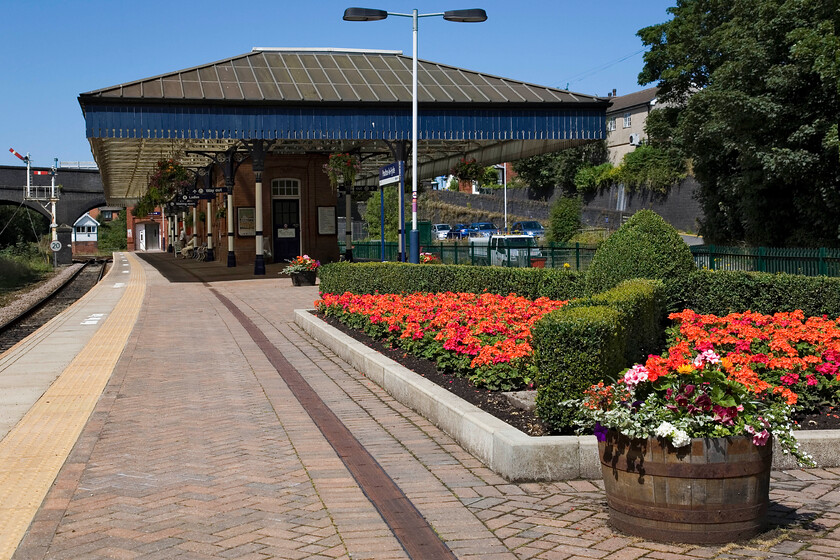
pixel 389 174
pixel 55 246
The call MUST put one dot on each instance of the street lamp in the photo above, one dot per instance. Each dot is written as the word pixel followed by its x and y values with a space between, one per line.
pixel 475 15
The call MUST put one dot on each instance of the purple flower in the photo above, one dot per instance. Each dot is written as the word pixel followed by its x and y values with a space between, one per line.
pixel 600 432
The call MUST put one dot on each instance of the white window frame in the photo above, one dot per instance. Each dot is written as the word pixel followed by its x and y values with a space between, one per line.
pixel 627 119
pixel 611 124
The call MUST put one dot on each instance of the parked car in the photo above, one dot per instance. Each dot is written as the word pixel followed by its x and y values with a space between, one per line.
pixel 528 228
pixel 441 231
pixel 483 229
pixel 505 250
pixel 460 231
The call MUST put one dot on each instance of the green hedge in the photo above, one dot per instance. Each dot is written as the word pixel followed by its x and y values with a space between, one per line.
pixel 721 292
pixel 644 247
pixel 592 340
pixel 395 278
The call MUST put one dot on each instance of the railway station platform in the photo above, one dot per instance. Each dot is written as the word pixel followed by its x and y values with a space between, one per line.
pixel 189 417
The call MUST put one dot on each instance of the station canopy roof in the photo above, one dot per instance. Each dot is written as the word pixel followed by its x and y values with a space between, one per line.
pixel 324 101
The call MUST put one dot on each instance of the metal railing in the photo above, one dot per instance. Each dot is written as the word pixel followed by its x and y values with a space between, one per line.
pixel 804 261
pixel 554 255
pixel 807 262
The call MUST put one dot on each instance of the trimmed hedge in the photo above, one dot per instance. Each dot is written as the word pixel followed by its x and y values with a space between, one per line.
pixel 721 292
pixel 644 247
pixel 396 278
pixel 592 340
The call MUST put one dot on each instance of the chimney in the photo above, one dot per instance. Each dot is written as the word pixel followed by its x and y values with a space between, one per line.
pixel 613 92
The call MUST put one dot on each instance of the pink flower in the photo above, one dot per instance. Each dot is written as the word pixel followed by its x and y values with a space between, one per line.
pixel 761 437
pixel 811 380
pixel 707 356
pixel 790 378
pixel 635 375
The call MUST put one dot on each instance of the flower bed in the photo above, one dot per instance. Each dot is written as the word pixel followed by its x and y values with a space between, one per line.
pixel 484 337
pixel 799 356
pixel 740 374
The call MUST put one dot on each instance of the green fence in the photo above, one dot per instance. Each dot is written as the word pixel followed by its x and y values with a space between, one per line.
pixel 553 255
pixel 807 262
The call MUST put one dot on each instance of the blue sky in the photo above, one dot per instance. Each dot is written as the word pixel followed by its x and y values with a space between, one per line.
pixel 55 50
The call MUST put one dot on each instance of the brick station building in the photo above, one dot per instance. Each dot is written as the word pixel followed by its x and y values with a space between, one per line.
pixel 262 124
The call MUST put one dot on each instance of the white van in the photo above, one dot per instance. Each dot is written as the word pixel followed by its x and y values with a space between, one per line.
pixel 441 231
pixel 504 250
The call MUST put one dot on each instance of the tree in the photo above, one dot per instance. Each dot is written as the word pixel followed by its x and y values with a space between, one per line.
pixel 564 221
pixel 559 169
pixel 392 214
pixel 753 91
pixel 19 224
pixel 112 235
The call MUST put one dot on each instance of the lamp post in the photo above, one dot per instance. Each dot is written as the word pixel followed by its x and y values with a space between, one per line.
pixel 474 15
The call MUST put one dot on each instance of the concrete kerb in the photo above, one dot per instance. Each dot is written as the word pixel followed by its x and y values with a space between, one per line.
pixel 504 449
pixel 509 452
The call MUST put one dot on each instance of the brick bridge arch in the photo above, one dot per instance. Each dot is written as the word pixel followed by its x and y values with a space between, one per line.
pixel 81 191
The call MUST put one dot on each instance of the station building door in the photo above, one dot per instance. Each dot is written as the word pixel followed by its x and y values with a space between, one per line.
pixel 286 219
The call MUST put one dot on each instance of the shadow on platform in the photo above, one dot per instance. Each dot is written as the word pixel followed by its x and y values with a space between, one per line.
pixel 191 270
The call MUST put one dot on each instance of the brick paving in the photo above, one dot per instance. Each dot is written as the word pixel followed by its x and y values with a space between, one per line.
pixel 197 449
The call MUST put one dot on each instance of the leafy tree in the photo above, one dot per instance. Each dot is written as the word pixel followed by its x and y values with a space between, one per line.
pixel 652 168
pixel 392 214
pixel 112 235
pixel 753 91
pixel 559 169
pixel 19 224
pixel 564 220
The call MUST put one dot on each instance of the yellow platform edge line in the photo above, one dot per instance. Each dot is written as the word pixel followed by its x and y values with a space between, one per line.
pixel 33 452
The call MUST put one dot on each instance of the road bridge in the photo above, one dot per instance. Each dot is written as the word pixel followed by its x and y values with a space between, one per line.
pixel 81 190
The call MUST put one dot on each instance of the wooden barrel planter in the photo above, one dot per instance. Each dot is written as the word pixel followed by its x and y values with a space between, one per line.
pixel 305 278
pixel 715 490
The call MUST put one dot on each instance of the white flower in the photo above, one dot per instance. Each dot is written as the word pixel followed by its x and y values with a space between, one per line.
pixel 680 438
pixel 665 429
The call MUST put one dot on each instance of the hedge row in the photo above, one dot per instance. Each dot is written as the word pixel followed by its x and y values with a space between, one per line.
pixel 391 278
pixel 721 292
pixel 592 340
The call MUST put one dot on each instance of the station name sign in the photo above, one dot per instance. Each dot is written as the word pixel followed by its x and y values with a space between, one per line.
pixel 389 174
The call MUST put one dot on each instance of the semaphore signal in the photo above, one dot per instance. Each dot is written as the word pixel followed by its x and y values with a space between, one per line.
pixel 33 193
pixel 23 158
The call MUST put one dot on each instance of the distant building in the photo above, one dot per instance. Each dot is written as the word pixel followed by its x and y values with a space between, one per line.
pixel 626 121
pixel 85 235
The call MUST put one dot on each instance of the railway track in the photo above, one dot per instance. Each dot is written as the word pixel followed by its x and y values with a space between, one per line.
pixel 51 304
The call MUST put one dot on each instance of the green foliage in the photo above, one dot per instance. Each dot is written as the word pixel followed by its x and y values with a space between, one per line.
pixel 591 340
pixel 112 235
pixel 19 224
pixel 644 247
pixel 590 179
pixel 395 278
pixel 21 264
pixel 721 292
pixel 167 178
pixel 573 349
pixel 640 303
pixel 392 214
pixel 453 184
pixel 559 169
pixel 467 169
pixel 651 168
pixel 753 85
pixel 564 220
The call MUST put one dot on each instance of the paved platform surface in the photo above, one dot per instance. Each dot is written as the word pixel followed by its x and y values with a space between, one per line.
pixel 197 448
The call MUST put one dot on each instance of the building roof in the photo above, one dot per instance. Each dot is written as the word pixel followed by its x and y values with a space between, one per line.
pixel 636 99
pixel 85 220
pixel 328 100
pixel 271 75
